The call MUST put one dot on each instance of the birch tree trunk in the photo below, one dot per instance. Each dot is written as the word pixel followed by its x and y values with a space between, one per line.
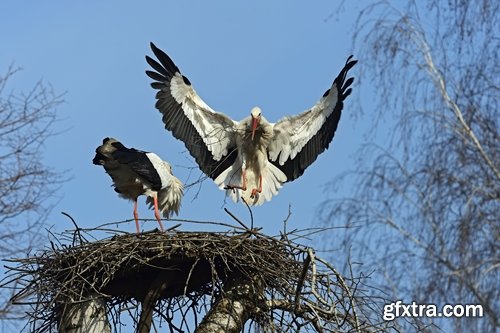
pixel 85 317
pixel 239 301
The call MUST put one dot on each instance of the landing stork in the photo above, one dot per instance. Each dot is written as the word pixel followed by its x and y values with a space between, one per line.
pixel 251 158
pixel 135 172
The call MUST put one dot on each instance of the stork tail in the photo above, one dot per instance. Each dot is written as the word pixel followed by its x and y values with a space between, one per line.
pixel 272 180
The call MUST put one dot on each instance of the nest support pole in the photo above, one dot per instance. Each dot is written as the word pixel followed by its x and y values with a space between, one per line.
pixel 87 316
pixel 242 297
pixel 148 303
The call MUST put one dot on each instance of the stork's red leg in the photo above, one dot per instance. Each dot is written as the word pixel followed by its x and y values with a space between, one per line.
pixel 242 187
pixel 136 217
pixel 157 213
pixel 257 190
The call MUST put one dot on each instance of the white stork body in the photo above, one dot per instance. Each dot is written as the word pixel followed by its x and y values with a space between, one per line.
pixel 252 158
pixel 252 176
pixel 135 173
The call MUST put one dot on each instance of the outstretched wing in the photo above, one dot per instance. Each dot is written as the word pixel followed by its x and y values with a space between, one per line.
pixel 298 140
pixel 209 136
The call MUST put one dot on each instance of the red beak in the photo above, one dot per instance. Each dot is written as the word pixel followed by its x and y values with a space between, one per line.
pixel 255 123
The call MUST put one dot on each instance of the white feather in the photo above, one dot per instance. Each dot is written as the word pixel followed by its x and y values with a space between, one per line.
pixel 171 192
pixel 216 135
pixel 272 180
pixel 293 133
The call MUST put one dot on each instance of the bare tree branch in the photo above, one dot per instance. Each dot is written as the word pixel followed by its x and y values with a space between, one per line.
pixel 26 122
pixel 423 215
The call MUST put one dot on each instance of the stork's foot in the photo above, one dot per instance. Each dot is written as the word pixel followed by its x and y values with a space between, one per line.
pixel 255 193
pixel 235 187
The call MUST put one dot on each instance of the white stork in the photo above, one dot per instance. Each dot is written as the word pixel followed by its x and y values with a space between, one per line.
pixel 135 172
pixel 251 158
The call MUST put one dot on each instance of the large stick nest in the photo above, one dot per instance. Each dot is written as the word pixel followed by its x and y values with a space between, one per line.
pixel 300 290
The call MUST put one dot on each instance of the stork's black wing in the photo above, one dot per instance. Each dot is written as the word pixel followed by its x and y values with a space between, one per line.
pixel 298 140
pixel 208 135
pixel 138 162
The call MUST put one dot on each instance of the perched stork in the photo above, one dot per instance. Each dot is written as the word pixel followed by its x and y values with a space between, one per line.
pixel 252 158
pixel 136 173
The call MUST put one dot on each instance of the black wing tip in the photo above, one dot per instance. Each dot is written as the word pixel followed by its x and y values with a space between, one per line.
pixel 340 80
pixel 347 67
pixel 186 80
pixel 351 61
pixel 150 60
pixel 154 48
pixel 349 64
pixel 348 82
pixel 164 58
pixel 163 64
pixel 347 93
pixel 159 77
pixel 157 86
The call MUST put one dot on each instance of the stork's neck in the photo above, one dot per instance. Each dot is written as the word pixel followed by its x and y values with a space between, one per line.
pixel 263 134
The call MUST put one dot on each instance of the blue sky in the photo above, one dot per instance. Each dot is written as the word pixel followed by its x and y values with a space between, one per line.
pixel 279 55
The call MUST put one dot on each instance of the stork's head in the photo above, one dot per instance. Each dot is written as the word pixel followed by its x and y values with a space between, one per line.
pixel 256 114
